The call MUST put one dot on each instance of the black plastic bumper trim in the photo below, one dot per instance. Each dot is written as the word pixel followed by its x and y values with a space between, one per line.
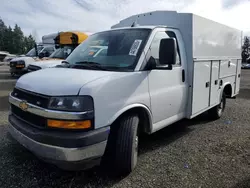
pixel 67 139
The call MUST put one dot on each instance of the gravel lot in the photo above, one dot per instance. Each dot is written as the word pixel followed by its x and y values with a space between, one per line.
pixel 195 153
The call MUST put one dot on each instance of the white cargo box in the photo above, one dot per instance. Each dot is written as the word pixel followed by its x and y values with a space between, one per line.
pixel 213 52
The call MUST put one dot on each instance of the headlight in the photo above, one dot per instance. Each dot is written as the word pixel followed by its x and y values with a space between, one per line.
pixel 21 62
pixel 74 104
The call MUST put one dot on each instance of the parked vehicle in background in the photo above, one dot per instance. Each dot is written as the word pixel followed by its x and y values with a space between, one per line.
pixel 159 67
pixel 19 65
pixel 66 42
pixel 9 57
pixel 3 54
pixel 45 49
pixel 50 38
pixel 245 66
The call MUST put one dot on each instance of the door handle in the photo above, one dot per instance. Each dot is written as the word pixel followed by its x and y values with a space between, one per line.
pixel 221 83
pixel 207 84
pixel 215 82
pixel 183 75
pixel 238 75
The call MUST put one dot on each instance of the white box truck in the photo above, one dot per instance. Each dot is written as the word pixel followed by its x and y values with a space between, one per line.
pixel 159 67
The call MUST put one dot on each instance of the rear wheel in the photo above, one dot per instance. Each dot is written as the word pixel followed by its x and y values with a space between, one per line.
pixel 217 111
pixel 126 150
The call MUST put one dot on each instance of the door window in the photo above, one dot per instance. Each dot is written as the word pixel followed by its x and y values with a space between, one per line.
pixel 155 46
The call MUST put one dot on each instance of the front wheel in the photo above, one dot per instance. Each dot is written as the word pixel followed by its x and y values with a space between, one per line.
pixel 127 144
pixel 217 111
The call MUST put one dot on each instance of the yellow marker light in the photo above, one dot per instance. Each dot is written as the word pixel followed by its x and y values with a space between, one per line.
pixel 20 66
pixel 69 124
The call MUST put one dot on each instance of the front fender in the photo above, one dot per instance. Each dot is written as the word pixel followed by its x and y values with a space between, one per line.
pixel 130 107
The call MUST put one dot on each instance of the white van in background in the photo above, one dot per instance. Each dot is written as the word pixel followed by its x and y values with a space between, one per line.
pixel 19 65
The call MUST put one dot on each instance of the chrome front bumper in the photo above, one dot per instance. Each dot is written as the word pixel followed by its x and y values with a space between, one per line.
pixel 55 153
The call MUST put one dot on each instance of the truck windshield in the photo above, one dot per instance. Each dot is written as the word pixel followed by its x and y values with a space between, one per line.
pixel 32 52
pixel 62 53
pixel 111 50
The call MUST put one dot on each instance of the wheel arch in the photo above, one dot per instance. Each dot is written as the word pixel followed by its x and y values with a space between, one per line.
pixel 227 89
pixel 143 112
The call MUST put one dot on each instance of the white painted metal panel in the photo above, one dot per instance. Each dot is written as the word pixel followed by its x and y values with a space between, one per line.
pixel 49 39
pixel 215 91
pixel 237 82
pixel 215 40
pixel 200 90
pixel 228 68
pixel 167 92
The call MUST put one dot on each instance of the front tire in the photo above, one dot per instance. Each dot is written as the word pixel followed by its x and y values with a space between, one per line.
pixel 127 144
pixel 217 111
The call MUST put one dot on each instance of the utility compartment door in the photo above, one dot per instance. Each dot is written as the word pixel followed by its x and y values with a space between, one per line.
pixel 238 76
pixel 214 93
pixel 201 86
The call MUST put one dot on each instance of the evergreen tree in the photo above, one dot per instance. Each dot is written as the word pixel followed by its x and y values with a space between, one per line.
pixel 245 49
pixel 29 42
pixel 13 40
pixel 18 37
pixel 8 42
pixel 2 33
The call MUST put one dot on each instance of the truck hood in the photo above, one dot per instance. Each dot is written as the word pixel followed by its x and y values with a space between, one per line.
pixel 24 59
pixel 27 60
pixel 59 81
pixel 47 63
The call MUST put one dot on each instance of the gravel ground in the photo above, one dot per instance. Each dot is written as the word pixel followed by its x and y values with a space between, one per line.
pixel 195 153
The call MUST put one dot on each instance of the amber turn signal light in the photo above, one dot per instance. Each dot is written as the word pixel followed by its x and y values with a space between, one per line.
pixel 69 124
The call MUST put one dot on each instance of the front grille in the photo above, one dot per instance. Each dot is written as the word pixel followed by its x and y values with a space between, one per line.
pixel 32 98
pixel 17 64
pixel 30 118
pixel 33 68
pixel 13 64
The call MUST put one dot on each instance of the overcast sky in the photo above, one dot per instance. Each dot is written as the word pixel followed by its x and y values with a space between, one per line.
pixel 48 16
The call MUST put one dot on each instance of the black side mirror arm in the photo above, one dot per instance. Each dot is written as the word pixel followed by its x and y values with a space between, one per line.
pixel 169 67
pixel 165 67
pixel 151 64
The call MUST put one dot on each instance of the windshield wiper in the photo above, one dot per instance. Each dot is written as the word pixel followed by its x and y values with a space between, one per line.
pixel 88 64
pixel 64 64
pixel 91 65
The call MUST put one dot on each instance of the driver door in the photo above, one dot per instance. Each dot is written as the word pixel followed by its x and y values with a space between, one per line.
pixel 167 88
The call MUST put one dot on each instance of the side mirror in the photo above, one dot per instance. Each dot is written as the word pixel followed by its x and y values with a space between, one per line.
pixel 41 55
pixel 46 54
pixel 167 52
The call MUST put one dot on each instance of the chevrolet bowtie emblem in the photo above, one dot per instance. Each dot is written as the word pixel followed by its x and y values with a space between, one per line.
pixel 23 105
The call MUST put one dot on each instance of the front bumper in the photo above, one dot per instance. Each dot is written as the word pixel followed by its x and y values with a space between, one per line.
pixel 18 70
pixel 65 148
pixel 79 150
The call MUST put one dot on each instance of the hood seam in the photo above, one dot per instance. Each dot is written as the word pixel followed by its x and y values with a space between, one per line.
pixel 92 81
